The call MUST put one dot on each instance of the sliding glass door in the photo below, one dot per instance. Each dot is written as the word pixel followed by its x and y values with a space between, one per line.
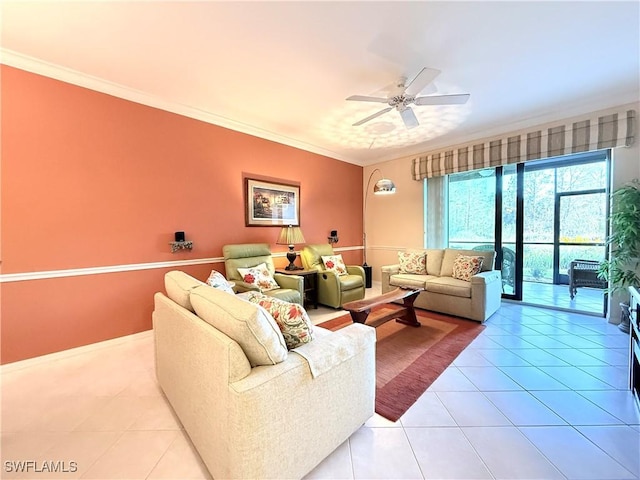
pixel 538 217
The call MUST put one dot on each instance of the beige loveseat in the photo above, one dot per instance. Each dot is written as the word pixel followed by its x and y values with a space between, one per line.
pixel 477 299
pixel 271 421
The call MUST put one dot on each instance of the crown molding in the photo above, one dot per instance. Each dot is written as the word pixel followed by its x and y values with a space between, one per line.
pixel 74 77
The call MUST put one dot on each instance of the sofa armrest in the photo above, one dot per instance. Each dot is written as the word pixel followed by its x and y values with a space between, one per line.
pixel 294 282
pixel 391 269
pixel 326 353
pixel 486 294
pixel 484 278
pixel 387 271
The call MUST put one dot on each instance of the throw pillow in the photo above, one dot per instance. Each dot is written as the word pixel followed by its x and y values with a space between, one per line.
pixel 465 267
pixel 413 262
pixel 293 320
pixel 250 325
pixel 217 280
pixel 259 276
pixel 335 264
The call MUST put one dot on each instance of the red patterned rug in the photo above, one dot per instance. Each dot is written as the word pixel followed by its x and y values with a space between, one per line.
pixel 409 359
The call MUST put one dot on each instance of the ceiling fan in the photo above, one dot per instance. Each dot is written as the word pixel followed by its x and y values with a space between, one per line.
pixel 404 95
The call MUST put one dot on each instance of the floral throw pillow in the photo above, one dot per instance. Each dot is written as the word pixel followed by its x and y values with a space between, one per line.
pixel 259 276
pixel 465 267
pixel 293 320
pixel 217 280
pixel 413 262
pixel 335 264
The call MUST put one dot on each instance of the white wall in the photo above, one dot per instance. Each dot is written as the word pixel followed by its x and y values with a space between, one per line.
pixel 392 222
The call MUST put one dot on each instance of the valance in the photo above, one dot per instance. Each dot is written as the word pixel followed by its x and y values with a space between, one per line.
pixel 593 133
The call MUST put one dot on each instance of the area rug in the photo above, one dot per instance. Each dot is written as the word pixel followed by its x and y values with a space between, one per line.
pixel 409 359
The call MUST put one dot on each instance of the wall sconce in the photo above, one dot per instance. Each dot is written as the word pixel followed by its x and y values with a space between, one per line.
pixel 180 243
pixel 333 237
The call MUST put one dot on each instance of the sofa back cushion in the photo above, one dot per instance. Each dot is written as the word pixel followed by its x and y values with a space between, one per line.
pixel 434 258
pixel 248 324
pixel 450 255
pixel 179 285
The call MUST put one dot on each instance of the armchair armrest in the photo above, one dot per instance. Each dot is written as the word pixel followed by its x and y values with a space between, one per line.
pixel 241 287
pixel 355 270
pixel 294 282
pixel 328 279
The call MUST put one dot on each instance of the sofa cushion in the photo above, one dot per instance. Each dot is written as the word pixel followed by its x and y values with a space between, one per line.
pixel 450 255
pixel 334 263
pixel 259 276
pixel 248 324
pixel 217 280
pixel 292 318
pixel 466 266
pixel 409 280
pixel 434 260
pixel 449 286
pixel 413 262
pixel 179 285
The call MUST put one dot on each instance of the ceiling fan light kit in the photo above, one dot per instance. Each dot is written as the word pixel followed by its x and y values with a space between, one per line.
pixel 407 95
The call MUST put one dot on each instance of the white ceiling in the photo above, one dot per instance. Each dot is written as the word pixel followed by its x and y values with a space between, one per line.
pixel 282 70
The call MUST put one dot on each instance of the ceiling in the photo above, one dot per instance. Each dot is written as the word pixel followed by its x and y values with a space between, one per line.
pixel 282 70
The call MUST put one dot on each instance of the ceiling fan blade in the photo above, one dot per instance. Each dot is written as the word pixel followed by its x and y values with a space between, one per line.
pixel 364 98
pixel 424 78
pixel 409 118
pixel 371 117
pixel 456 99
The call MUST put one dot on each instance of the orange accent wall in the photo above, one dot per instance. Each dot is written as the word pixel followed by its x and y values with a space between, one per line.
pixel 93 180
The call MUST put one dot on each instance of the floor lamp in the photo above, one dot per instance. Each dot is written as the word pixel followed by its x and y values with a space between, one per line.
pixel 384 186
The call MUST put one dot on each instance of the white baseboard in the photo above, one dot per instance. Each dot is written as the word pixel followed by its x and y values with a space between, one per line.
pixel 51 357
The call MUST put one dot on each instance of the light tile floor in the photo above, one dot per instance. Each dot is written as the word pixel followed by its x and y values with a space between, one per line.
pixel 539 394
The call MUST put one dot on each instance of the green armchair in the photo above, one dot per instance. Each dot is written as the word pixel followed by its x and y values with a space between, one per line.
pixel 249 255
pixel 333 290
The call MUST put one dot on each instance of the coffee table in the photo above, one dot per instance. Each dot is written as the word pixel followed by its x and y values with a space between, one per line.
pixel 405 313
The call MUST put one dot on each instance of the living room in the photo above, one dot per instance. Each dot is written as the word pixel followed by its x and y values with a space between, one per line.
pixel 94 186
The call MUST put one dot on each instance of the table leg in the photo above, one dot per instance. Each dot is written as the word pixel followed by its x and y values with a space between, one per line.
pixel 360 317
pixel 409 316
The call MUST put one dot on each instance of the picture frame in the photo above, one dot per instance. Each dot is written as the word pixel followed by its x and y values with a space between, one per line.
pixel 271 203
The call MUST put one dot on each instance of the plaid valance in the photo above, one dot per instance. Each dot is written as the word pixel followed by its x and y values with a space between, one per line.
pixel 593 133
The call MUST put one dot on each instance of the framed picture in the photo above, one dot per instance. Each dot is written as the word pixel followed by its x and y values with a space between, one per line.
pixel 271 204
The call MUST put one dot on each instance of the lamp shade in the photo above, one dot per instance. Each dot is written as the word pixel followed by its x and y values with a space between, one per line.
pixel 384 186
pixel 290 236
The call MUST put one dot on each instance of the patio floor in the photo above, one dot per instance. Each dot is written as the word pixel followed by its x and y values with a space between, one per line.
pixel 587 300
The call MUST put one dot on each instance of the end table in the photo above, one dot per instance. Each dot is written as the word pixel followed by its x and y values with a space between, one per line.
pixel 310 284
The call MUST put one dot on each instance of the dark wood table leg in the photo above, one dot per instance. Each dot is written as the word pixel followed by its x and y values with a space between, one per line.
pixel 360 317
pixel 409 316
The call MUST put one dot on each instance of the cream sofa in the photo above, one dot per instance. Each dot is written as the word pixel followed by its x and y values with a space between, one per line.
pixel 476 300
pixel 270 421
